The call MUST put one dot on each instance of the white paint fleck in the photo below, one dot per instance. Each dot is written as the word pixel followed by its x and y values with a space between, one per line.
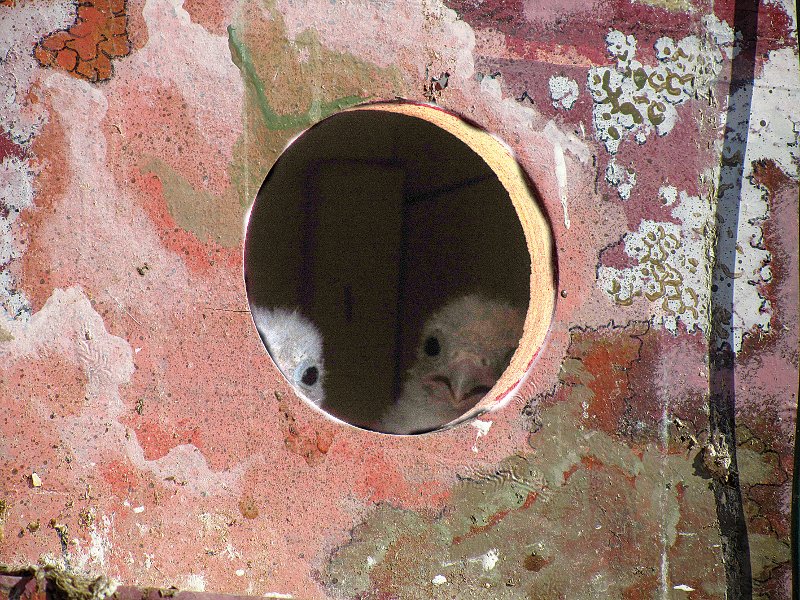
pixel 138 509
pixel 371 562
pixel 489 560
pixel 100 547
pixel 439 580
pixel 483 429
pixel 568 141
pixel 231 552
pixel 722 34
pixel 563 91
pixel 240 572
pixel 195 583
pixel 672 266
pixel 621 178
pixel 561 178
pixel 278 595
pixel 16 194
pixel 683 587
pixel 16 187
pixel 772 136
pixel 668 194
pixel 22 117
pixel 20 29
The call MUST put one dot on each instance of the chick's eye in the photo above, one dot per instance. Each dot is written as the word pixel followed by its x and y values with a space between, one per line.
pixel 432 346
pixel 310 376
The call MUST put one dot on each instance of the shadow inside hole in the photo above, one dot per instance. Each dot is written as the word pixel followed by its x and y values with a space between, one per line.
pixel 369 223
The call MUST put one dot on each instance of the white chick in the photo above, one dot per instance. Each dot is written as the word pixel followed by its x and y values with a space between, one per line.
pixel 295 344
pixel 463 351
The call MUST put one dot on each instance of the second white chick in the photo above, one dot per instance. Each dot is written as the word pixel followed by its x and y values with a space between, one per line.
pixel 295 344
pixel 463 351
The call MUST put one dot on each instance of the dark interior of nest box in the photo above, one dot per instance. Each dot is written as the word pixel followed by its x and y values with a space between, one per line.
pixel 367 223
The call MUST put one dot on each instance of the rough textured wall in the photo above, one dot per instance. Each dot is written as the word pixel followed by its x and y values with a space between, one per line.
pixel 146 434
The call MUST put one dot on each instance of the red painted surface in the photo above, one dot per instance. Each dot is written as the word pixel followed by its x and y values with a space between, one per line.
pixel 169 449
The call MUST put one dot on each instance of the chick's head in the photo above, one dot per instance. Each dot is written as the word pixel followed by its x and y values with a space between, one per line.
pixel 463 351
pixel 295 344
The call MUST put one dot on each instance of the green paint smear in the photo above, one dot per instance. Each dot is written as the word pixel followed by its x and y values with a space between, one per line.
pixel 207 216
pixel 330 80
pixel 5 335
pixel 273 121
pixel 670 5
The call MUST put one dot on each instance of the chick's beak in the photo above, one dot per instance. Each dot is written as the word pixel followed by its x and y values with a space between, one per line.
pixel 467 381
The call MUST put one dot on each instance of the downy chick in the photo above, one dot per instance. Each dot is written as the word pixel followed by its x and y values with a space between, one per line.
pixel 295 344
pixel 463 351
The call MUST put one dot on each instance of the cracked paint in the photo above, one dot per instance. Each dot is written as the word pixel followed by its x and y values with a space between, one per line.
pixel 98 35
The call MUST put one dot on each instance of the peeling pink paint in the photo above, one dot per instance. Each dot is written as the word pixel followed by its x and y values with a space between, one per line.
pixel 134 384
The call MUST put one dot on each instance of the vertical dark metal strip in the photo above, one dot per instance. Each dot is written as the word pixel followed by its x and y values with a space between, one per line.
pixel 796 510
pixel 722 358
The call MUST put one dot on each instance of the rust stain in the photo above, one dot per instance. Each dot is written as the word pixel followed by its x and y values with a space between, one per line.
pixel 495 519
pixel 310 444
pixel 534 562
pixel 248 507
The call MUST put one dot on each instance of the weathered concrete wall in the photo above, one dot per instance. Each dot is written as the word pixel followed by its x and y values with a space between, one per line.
pixel 134 135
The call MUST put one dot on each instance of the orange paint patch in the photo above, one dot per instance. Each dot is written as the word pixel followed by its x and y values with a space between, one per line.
pixel 121 476
pixel 157 439
pixel 605 359
pixel 39 278
pixel 85 50
pixel 381 478
pixel 383 481
pixel 609 385
pixel 213 16
pixel 591 463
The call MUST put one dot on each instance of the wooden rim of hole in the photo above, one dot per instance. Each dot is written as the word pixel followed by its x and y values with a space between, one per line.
pixel 538 238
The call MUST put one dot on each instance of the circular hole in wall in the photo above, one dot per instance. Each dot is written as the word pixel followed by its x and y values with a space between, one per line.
pixel 398 268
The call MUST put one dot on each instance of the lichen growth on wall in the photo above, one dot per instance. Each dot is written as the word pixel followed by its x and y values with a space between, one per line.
pixel 632 99
pixel 671 265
